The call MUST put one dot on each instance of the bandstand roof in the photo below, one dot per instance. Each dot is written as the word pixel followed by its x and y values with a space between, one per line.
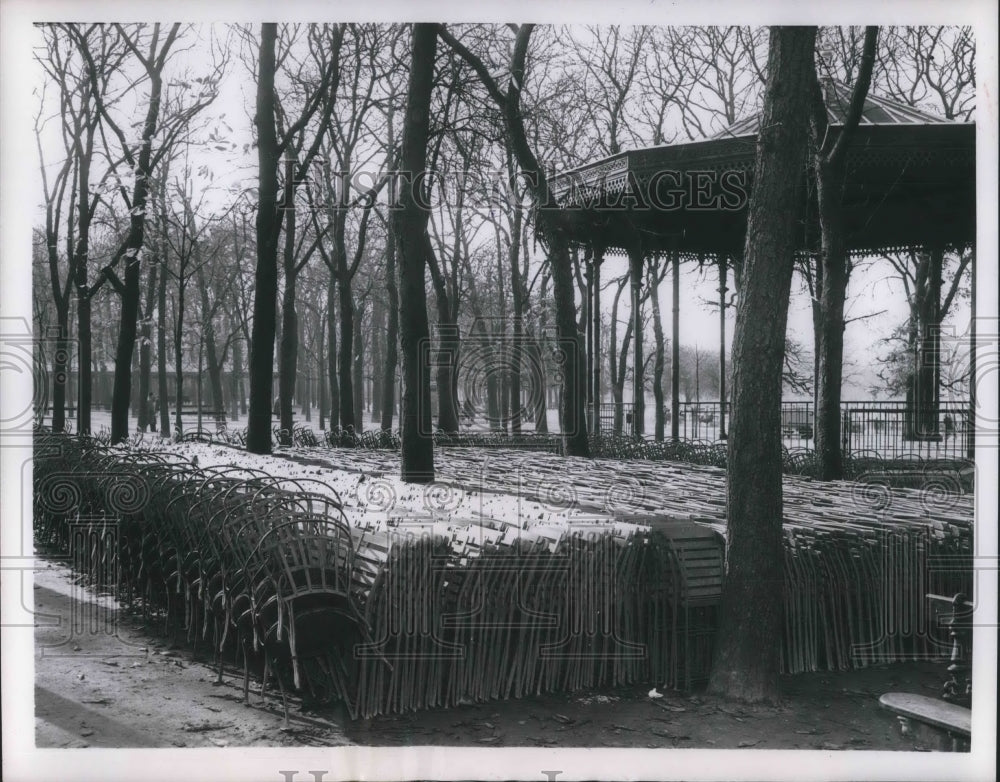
pixel 910 183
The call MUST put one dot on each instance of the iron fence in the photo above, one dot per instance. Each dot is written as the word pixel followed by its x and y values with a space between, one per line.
pixel 890 429
pixel 884 429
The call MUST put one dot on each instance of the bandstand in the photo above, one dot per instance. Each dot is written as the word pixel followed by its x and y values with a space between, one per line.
pixel 911 183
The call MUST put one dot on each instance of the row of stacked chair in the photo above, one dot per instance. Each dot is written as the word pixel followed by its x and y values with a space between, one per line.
pixel 382 617
pixel 387 614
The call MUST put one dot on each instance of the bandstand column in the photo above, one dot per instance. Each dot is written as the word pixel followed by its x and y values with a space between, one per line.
pixel 595 331
pixel 675 352
pixel 636 258
pixel 970 440
pixel 588 273
pixel 722 260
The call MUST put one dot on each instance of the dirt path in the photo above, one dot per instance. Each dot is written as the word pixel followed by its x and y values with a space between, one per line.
pixel 104 678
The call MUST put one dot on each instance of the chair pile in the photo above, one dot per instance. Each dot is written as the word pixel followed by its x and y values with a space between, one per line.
pixel 475 613
pixel 860 555
pixel 618 581
pixel 269 561
pixel 383 616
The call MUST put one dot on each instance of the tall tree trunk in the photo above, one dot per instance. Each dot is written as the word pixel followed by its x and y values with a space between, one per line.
pixel 235 397
pixel 211 348
pixel 636 264
pixel 746 661
pixel 125 349
pixel 161 348
pixel 448 339
pixel 268 225
pixel 358 370
pixel 179 354
pixel 60 367
pixel 392 331
pixel 199 399
pixel 331 353
pixel 86 360
pixel 417 452
pixel 817 325
pixel 539 383
pixel 617 375
pixel 321 373
pixel 378 327
pixel 146 348
pixel 304 381
pixel 448 346
pixel 83 326
pixel 927 370
pixel 288 352
pixel 540 366
pixel 830 172
pixel 517 298
pixel 489 340
pixel 619 389
pixel 345 357
pixel 122 389
pixel 595 330
pixel 835 262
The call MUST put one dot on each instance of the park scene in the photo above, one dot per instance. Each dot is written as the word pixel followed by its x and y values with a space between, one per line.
pixel 485 385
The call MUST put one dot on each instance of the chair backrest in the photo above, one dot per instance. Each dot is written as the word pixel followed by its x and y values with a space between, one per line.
pixel 305 554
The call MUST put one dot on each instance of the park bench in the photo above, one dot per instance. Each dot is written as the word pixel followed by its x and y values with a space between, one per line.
pixel 947 719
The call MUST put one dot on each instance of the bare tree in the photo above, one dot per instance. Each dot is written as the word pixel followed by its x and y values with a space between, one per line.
pixel 74 192
pixel 829 169
pixel 324 44
pixel 271 145
pixel 915 368
pixel 417 457
pixel 746 663
pixel 720 73
pixel 929 67
pixel 151 50
pixel 611 60
pixel 656 276
pixel 551 228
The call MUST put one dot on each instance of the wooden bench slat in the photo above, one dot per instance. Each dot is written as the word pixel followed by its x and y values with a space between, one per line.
pixel 932 711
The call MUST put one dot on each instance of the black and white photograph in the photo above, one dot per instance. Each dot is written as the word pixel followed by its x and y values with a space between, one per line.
pixel 452 392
